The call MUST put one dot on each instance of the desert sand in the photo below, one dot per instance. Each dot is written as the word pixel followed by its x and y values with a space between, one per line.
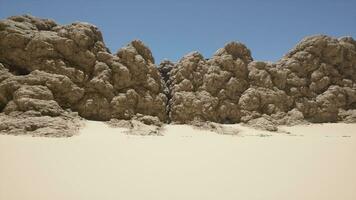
pixel 312 162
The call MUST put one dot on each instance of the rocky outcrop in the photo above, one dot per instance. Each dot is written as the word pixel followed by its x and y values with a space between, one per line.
pixel 321 77
pixel 49 71
pixel 314 82
pixel 209 89
pixel 48 67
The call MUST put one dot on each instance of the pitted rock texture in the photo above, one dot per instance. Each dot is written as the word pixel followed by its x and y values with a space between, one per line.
pixel 321 77
pixel 209 89
pixel 315 82
pixel 49 70
pixel 47 67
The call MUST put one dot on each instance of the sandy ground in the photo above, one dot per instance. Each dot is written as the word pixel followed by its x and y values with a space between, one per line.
pixel 313 162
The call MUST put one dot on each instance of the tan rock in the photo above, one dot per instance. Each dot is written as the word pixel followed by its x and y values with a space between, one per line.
pixel 48 70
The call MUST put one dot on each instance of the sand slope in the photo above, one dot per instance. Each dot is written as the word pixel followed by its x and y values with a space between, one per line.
pixel 313 162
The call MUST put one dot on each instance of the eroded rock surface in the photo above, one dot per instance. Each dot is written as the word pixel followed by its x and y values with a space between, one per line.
pixel 35 124
pixel 314 82
pixel 49 70
pixel 46 67
pixel 209 89
pixel 321 75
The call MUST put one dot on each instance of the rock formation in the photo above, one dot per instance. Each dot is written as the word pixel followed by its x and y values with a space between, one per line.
pixel 49 72
pixel 47 68
pixel 314 82
pixel 209 90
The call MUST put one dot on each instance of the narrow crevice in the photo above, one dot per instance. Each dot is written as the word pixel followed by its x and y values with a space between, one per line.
pixel 164 69
pixel 17 70
pixel 2 106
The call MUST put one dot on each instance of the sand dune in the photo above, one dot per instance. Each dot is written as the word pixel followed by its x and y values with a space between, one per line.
pixel 312 162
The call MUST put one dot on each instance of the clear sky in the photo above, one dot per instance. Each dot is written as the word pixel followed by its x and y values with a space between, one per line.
pixel 173 28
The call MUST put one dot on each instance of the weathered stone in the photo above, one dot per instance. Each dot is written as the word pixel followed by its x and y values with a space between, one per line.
pixel 71 63
pixel 48 70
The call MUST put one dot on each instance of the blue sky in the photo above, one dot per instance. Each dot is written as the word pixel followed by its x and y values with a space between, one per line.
pixel 174 28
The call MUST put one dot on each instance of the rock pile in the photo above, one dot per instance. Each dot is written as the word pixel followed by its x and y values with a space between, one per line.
pixel 50 71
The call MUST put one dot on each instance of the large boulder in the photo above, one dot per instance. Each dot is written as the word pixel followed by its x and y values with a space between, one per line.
pixel 48 67
pixel 321 76
pixel 209 89
pixel 316 79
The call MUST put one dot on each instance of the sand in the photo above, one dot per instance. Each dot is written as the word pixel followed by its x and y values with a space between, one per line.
pixel 312 162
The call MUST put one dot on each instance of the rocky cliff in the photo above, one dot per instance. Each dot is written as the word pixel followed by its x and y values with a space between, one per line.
pixel 314 82
pixel 50 72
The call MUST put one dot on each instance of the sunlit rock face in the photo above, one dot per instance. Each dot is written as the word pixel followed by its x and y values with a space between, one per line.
pixel 48 68
pixel 321 77
pixel 209 89
pixel 68 66
pixel 51 71
pixel 315 81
